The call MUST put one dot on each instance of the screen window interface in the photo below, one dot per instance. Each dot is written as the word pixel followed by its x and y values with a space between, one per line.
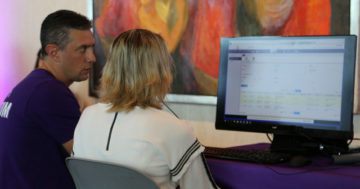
pixel 287 81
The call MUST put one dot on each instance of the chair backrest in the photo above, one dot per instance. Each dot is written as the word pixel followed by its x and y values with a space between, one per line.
pixel 89 174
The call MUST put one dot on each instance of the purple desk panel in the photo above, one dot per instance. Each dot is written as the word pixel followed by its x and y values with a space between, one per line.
pixel 319 174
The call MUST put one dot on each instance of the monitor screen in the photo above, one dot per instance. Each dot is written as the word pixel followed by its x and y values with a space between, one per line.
pixel 290 86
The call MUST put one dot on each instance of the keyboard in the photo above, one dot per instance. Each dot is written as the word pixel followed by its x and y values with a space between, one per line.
pixel 255 156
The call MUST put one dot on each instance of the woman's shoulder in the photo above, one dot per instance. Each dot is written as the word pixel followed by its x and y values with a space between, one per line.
pixel 169 124
pixel 161 116
pixel 96 108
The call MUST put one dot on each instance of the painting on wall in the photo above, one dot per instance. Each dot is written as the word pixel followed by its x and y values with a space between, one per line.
pixel 193 28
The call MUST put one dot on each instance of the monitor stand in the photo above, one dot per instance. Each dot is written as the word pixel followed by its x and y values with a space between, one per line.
pixel 308 146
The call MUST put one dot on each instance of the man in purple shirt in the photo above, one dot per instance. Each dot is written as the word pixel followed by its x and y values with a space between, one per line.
pixel 38 117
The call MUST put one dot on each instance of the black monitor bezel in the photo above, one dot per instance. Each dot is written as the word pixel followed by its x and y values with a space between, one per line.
pixel 285 129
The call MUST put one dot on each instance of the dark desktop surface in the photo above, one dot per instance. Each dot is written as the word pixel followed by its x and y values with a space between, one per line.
pixel 314 172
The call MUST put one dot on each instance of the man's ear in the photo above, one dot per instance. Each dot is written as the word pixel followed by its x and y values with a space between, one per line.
pixel 53 52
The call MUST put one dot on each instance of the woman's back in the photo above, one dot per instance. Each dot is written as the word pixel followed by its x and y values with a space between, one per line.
pixel 149 140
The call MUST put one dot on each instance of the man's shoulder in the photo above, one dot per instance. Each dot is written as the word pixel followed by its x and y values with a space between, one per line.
pixel 41 88
pixel 32 83
pixel 42 81
pixel 38 79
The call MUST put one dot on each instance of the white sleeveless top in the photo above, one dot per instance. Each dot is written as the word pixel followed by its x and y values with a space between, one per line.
pixel 149 140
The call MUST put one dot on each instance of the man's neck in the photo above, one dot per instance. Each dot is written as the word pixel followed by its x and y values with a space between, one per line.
pixel 48 65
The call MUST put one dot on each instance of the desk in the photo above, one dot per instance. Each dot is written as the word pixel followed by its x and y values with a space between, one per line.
pixel 320 174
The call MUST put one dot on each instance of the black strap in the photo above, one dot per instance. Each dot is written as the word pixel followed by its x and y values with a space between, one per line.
pixel 111 128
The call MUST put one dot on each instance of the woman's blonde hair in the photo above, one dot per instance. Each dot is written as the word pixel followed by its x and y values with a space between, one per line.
pixel 137 71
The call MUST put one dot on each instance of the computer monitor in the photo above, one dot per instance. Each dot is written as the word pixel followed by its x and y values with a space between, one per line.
pixel 300 89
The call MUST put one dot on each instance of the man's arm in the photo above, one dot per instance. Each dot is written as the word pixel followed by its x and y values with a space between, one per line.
pixel 69 145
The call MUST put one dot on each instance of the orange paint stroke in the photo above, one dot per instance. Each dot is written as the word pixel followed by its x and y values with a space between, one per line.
pixel 309 17
pixel 214 19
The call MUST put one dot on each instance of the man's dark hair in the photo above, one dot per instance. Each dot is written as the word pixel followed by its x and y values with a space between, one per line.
pixel 55 28
pixel 38 58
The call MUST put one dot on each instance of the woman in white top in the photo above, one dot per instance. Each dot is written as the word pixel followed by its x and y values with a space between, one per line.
pixel 129 127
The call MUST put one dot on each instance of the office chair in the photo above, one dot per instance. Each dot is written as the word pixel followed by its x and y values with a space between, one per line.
pixel 93 174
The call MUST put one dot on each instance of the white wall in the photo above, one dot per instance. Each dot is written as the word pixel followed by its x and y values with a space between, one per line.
pixel 18 52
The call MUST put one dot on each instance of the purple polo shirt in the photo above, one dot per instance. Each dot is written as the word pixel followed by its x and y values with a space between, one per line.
pixel 36 118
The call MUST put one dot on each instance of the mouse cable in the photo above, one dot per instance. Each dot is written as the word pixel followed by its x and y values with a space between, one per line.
pixel 301 172
pixel 268 136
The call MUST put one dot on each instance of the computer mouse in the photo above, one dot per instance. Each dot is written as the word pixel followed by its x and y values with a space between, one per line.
pixel 299 161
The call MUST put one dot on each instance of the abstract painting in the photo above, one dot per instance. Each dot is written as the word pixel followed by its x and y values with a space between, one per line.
pixel 193 28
